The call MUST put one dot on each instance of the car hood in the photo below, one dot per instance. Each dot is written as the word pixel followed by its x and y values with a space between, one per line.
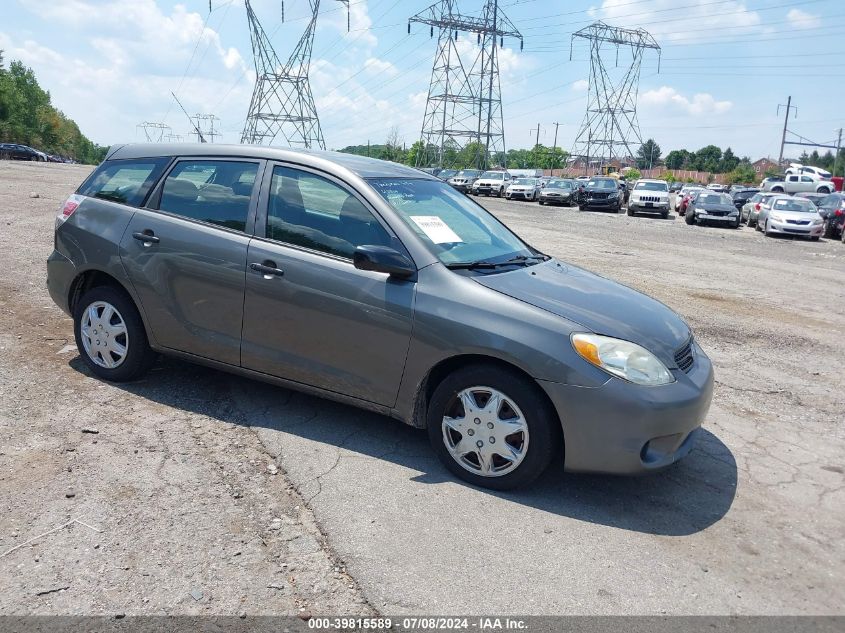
pixel 704 206
pixel 597 304
pixel 795 215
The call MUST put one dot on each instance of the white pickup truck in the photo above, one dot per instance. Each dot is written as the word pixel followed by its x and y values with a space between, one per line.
pixel 799 178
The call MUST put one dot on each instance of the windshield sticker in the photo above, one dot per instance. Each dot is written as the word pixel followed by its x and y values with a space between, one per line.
pixel 436 229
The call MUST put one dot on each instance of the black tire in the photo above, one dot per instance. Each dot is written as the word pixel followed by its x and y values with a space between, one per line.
pixel 630 212
pixel 581 207
pixel 735 225
pixel 665 215
pixel 541 202
pixel 689 218
pixel 766 229
pixel 543 425
pixel 139 356
pixel 829 231
pixel 814 238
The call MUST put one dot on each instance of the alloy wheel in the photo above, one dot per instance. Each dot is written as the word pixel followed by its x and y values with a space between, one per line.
pixel 485 432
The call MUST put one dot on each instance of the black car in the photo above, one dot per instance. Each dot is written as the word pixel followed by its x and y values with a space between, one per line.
pixel 742 196
pixel 600 193
pixel 832 209
pixel 15 151
pixel 711 206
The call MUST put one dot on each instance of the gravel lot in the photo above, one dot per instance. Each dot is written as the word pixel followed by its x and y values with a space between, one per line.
pixel 360 517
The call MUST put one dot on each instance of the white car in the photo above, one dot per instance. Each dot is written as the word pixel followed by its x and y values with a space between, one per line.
pixel 492 183
pixel 651 196
pixel 524 189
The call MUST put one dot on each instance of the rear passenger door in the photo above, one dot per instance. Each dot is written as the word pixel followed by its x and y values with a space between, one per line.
pixel 186 254
pixel 309 315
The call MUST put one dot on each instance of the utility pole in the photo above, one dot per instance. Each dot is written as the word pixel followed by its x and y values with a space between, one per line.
pixel 838 147
pixel 785 121
pixel 554 148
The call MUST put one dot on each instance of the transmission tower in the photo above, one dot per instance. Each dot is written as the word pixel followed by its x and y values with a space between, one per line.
pixel 154 132
pixel 610 127
pixel 464 103
pixel 282 102
pixel 204 127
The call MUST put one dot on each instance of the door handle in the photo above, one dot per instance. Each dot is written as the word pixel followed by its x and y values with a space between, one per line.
pixel 267 268
pixel 146 237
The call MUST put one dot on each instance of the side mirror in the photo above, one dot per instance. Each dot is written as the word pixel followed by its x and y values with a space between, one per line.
pixel 383 259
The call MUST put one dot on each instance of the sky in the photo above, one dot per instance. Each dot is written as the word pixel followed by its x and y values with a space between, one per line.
pixel 725 66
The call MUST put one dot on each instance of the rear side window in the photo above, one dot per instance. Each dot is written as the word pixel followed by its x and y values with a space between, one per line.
pixel 213 191
pixel 124 181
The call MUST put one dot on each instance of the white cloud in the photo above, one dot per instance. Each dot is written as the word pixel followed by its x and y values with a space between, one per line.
pixel 581 85
pixel 377 66
pixel 669 99
pixel 803 20
pixel 697 21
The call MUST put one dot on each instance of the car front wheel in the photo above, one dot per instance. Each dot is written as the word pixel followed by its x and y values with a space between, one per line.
pixel 110 335
pixel 689 217
pixel 492 427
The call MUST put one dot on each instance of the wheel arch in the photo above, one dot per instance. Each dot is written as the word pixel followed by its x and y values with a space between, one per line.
pixel 94 278
pixel 451 364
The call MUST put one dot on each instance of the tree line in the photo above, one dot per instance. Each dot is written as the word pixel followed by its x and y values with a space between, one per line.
pixel 28 117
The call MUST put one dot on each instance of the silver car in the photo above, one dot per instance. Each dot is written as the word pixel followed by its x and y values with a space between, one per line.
pixel 379 286
pixel 558 191
pixel 751 210
pixel 788 215
pixel 524 189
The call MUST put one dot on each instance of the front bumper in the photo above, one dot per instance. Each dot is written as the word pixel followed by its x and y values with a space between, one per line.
pixel 60 275
pixel 556 199
pixel 653 207
pixel 600 203
pixel 463 187
pixel 732 218
pixel 525 195
pixel 485 190
pixel 806 230
pixel 625 429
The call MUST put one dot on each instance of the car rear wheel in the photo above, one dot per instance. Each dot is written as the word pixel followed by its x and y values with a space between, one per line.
pixel 492 427
pixel 630 212
pixel 689 218
pixel 110 335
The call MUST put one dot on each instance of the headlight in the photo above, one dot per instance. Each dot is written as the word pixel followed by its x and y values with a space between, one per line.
pixel 622 358
pixel 818 221
pixel 776 218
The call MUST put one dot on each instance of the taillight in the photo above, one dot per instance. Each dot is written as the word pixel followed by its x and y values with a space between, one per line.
pixel 68 208
pixel 757 206
pixel 838 212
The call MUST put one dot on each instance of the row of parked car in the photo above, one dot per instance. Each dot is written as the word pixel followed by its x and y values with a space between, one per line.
pixel 17 151
pixel 807 214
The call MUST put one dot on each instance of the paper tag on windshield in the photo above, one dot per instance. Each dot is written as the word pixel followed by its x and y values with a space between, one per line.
pixel 436 229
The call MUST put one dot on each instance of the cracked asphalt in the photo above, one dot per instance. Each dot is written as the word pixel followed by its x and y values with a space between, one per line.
pixel 751 522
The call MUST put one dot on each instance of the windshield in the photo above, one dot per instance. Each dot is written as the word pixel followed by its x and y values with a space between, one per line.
pixel 713 198
pixel 468 173
pixel 447 173
pixel 799 205
pixel 652 186
pixel 524 181
pixel 493 175
pixel 602 183
pixel 457 229
pixel 559 184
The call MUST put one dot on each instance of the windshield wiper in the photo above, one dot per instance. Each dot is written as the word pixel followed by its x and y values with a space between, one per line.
pixel 482 264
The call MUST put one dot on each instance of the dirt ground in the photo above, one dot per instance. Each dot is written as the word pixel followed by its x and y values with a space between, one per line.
pixel 172 511
pixel 204 493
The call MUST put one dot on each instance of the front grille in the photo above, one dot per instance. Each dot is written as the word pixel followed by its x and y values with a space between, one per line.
pixel 649 198
pixel 598 196
pixel 801 222
pixel 717 213
pixel 684 358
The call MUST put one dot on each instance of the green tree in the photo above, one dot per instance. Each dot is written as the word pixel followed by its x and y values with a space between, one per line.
pixel 677 159
pixel 413 153
pixel 729 161
pixel 633 174
pixel 648 156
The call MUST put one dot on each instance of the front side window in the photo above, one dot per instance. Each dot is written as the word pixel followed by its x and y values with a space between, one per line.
pixel 313 212
pixel 213 191
pixel 457 229
pixel 124 181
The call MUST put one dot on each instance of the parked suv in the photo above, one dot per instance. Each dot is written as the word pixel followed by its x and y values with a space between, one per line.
pixel 651 196
pixel 463 180
pixel 382 287
pixel 491 183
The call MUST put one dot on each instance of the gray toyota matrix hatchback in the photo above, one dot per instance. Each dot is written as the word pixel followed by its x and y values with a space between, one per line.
pixel 382 287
